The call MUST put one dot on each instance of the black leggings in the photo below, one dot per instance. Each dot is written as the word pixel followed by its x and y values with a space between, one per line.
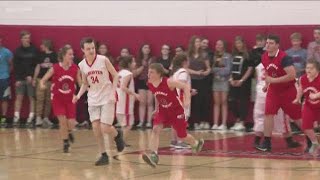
pixel 239 100
pixel 200 103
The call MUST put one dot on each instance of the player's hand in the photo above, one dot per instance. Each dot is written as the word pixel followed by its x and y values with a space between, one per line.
pixel 265 89
pixel 313 96
pixel 193 92
pixel 296 101
pixel 269 79
pixel 113 98
pixel 75 99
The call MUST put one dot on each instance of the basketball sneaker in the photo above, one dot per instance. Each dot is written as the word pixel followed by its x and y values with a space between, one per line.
pixel 152 160
pixel 265 146
pixel 197 148
pixel 119 141
pixel 103 160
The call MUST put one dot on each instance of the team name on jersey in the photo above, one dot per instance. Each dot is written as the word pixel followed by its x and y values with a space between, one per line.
pixel 94 72
pixel 160 93
pixel 65 77
pixel 272 65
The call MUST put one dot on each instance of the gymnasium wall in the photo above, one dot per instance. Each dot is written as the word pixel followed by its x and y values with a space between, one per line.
pixel 129 24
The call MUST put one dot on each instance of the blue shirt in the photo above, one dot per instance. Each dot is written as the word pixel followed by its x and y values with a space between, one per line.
pixel 299 58
pixel 5 58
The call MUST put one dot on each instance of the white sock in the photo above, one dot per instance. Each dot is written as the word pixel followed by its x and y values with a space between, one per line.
pixel 17 114
pixel 31 114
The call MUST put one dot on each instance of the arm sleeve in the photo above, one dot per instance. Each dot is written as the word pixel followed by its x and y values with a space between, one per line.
pixel 286 61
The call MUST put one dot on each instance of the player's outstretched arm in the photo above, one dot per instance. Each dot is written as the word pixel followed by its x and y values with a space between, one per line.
pixel 185 87
pixel 124 87
pixel 297 100
pixel 83 88
pixel 113 73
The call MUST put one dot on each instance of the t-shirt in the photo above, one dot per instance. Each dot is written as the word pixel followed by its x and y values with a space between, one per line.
pixel 5 58
pixel 240 65
pixel 299 58
pixel 46 61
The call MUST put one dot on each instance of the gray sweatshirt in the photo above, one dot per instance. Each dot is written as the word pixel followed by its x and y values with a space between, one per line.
pixel 223 73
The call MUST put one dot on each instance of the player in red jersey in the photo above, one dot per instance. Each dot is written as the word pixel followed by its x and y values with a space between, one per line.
pixel 309 87
pixel 280 87
pixel 169 111
pixel 64 75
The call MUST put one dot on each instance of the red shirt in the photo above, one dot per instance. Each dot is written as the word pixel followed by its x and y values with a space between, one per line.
pixel 166 97
pixel 308 87
pixel 274 67
pixel 64 81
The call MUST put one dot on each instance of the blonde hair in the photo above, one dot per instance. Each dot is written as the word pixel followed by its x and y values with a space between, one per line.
pixel 63 51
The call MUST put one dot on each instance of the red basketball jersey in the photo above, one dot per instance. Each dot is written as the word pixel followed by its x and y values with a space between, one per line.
pixel 64 81
pixel 166 97
pixel 274 69
pixel 310 87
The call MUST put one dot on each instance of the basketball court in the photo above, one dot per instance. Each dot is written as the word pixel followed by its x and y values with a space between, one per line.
pixel 37 154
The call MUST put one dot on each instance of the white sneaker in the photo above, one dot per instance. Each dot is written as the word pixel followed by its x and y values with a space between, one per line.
pixel 222 127
pixel 196 126
pixel 47 121
pixel 16 119
pixel 201 126
pixel 39 121
pixel 149 125
pixel 206 126
pixel 235 126
pixel 140 124
pixel 240 127
pixel 215 127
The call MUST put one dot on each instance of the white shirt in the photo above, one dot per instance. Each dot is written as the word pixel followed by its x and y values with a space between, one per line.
pixel 100 86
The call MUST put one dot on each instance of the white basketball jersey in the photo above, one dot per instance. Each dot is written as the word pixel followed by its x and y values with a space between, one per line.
pixel 100 86
pixel 182 75
pixel 125 104
pixel 260 75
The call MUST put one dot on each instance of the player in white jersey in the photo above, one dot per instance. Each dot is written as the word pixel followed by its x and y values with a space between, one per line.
pixel 179 65
pixel 281 123
pixel 95 71
pixel 126 94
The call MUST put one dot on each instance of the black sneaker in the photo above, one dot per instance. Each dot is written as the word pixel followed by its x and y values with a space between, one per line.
pixel 152 160
pixel 119 141
pixel 309 144
pixel 71 138
pixel 293 144
pixel 66 147
pixel 256 144
pixel 103 160
pixel 265 147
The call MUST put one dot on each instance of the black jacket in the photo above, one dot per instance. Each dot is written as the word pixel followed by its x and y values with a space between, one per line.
pixel 25 60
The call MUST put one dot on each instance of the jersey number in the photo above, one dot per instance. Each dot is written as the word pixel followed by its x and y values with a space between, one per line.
pixel 94 79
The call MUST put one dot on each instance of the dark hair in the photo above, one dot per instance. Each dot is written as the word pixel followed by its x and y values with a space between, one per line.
pixel 141 56
pixel 158 67
pixel 48 44
pixel 317 28
pixel 63 51
pixel 178 61
pixel 23 33
pixel 314 62
pixel 124 62
pixel 86 40
pixel 260 37
pixel 274 37
pixel 181 47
